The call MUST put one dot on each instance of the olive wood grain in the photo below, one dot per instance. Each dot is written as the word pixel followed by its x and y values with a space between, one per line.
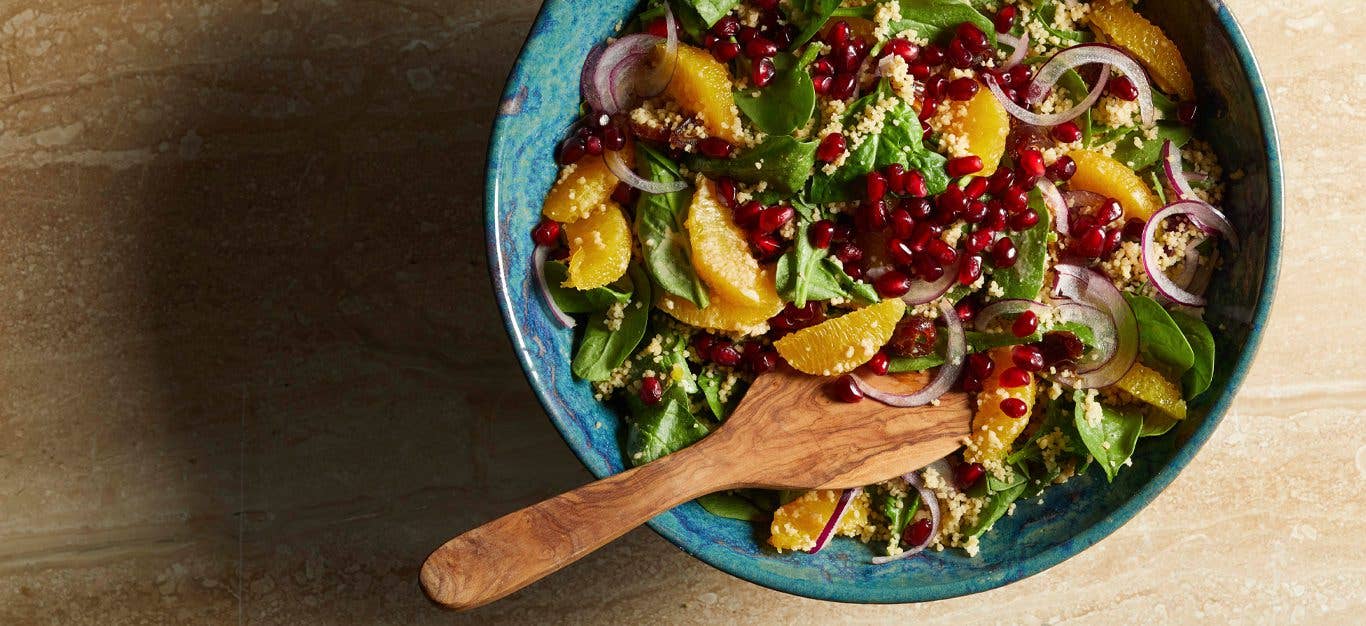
pixel 787 433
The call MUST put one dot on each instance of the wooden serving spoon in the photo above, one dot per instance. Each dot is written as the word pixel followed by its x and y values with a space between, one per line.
pixel 787 433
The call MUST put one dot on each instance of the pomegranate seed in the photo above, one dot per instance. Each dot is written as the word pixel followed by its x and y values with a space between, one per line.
pixel 936 87
pixel 872 216
pixel 1015 199
pixel 831 147
pixel 903 48
pixel 1060 348
pixel 774 217
pixel 920 71
pixel 846 57
pixel 967 475
pixel 625 195
pixel 1014 407
pixel 657 27
pixel 571 151
pixel 727 26
pixel 1003 253
pixel 613 139
pixel 1005 19
pixel 973 37
pixel 593 145
pixel 966 310
pixel 746 33
pixel 928 107
pixel 709 40
pixel 977 241
pixel 924 233
pixel 875 184
pixel 896 178
pixel 1133 229
pixel 651 390
pixel 1185 113
pixel 715 147
pixel 1025 324
pixel 919 208
pixel 747 215
pixel 1123 88
pixel 918 533
pixel 822 83
pixel 1109 211
pixel 821 67
pixel 914 335
pixel 1067 132
pixel 725 189
pixel 980 365
pixel 1083 223
pixel 1014 377
pixel 903 225
pixel 962 89
pixel 546 233
pixel 724 51
pixel 976 187
pixel 900 252
pixel 1113 238
pixel 928 269
pixel 1031 163
pixel 1000 181
pixel 847 252
pixel 970 270
pixel 1091 242
pixel 975 212
pixel 844 232
pixel 1062 169
pixel 760 48
pixel 724 353
pixel 915 184
pixel 893 284
pixel 701 346
pixel 766 5
pixel 964 165
pixel 958 55
pixel 941 251
pixel 995 221
pixel 1027 358
pixel 932 55
pixel 820 234
pixel 761 361
pixel 970 384
pixel 1024 220
pixel 880 363
pixel 843 86
pixel 1021 75
pixel 766 246
pixel 762 73
pixel 854 270
pixel 839 33
pixel 846 389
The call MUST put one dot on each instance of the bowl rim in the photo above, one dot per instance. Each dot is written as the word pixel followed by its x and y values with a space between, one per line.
pixel 1085 538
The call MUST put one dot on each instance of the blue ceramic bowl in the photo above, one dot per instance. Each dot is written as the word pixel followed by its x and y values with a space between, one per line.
pixel 541 100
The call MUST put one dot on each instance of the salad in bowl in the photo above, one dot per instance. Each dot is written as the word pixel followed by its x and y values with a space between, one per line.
pixel 1008 196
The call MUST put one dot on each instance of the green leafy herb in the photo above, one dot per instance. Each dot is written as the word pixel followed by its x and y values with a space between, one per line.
pixel 1056 417
pixel 1076 87
pixel 1045 13
pixel 1111 440
pixel 811 15
pixel 1198 378
pixel 1157 423
pixel 603 349
pixel 806 273
pixel 663 238
pixel 572 300
pixel 1148 151
pixel 711 11
pixel 1024 279
pixel 710 383
pixel 994 508
pixel 666 427
pixel 899 510
pixel 732 506
pixel 930 19
pixel 786 103
pixel 898 141
pixel 782 162
pixel 1159 338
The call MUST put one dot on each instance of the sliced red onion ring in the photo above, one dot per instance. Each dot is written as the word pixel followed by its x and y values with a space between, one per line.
pixel 1020 46
pixel 1189 265
pixel 1057 205
pixel 1053 119
pixel 1175 172
pixel 1102 327
pixel 1087 53
pixel 1204 215
pixel 628 176
pixel 1089 287
pixel 588 78
pixel 928 498
pixel 943 379
pixel 664 72
pixel 992 311
pixel 841 507
pixel 538 258
pixel 621 73
pixel 922 292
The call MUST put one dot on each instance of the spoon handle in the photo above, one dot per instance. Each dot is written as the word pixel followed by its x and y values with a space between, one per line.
pixel 515 550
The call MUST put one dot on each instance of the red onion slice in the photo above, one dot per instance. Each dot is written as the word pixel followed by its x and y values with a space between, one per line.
pixel 1089 287
pixel 1208 218
pixel 1053 119
pixel 1057 205
pixel 1102 328
pixel 922 292
pixel 538 258
pixel 1087 53
pixel 1175 172
pixel 1020 46
pixel 1189 265
pixel 841 507
pixel 931 502
pixel 664 73
pixel 630 177
pixel 992 311
pixel 621 74
pixel 588 78
pixel 943 379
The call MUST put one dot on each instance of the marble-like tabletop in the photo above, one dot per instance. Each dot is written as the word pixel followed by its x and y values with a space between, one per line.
pixel 251 370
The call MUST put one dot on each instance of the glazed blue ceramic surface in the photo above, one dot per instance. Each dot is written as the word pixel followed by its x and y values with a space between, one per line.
pixel 541 100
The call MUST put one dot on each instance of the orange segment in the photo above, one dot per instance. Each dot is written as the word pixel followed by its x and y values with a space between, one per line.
pixel 720 251
pixel 841 344
pixel 992 430
pixel 985 124
pixel 599 248
pixel 701 84
pixel 582 189
pixel 1110 178
pixel 721 315
pixel 1145 384
pixel 797 524
pixel 1129 30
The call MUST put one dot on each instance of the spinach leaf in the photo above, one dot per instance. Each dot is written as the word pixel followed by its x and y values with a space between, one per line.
pixel 732 506
pixel 976 342
pixel 1111 440
pixel 933 19
pixel 710 383
pixel 711 11
pixel 1056 416
pixel 1076 87
pixel 1148 151
pixel 899 510
pixel 1159 338
pixel 807 273
pixel 786 103
pixel 663 238
pixel 1156 423
pixel 782 162
pixel 1024 279
pixel 572 300
pixel 666 427
pixel 994 508
pixel 811 15
pixel 898 141
pixel 1044 15
pixel 1201 373
pixel 603 349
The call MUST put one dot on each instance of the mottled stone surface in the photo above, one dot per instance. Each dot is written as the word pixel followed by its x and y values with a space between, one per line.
pixel 251 370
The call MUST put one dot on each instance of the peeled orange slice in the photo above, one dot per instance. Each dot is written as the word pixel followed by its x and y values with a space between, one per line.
pixel 992 430
pixel 1129 30
pixel 720 251
pixel 721 315
pixel 599 248
pixel 1110 178
pixel 985 124
pixel 701 84
pixel 839 345
pixel 797 524
pixel 582 189
pixel 1144 383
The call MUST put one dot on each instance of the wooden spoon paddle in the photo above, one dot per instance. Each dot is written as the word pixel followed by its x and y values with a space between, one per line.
pixel 787 433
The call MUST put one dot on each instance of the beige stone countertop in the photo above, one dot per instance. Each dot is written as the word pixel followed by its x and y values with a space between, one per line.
pixel 251 369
